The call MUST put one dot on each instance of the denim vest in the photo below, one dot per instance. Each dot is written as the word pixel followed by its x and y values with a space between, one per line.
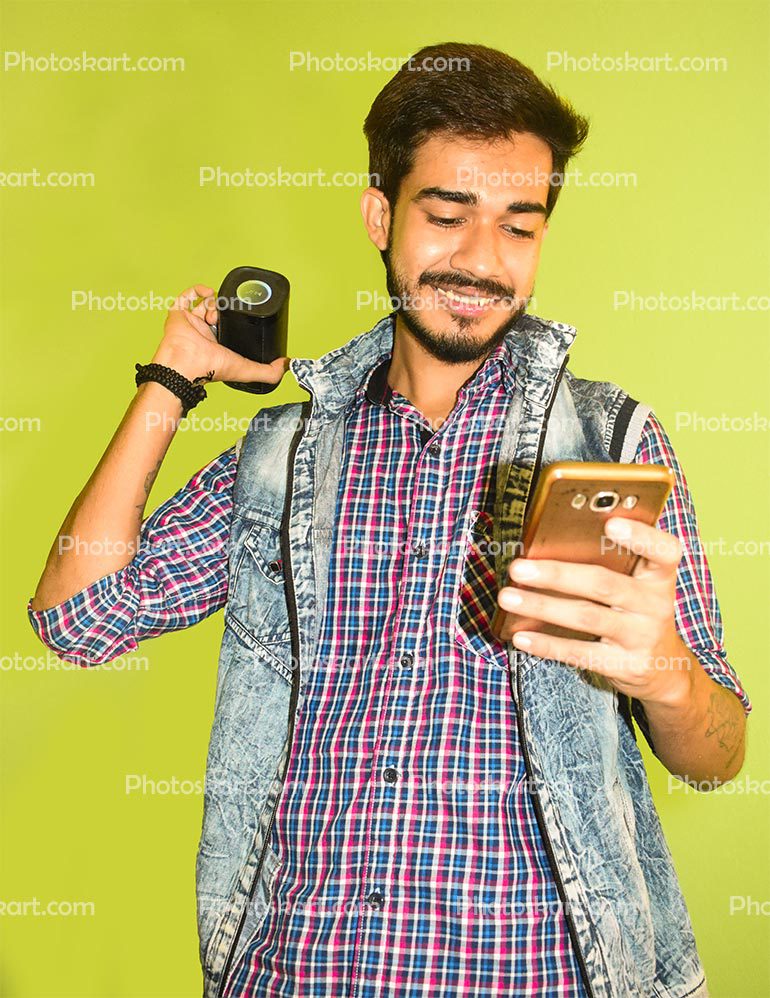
pixel 625 911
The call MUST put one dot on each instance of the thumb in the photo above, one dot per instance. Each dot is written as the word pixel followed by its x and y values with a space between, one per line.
pixel 243 369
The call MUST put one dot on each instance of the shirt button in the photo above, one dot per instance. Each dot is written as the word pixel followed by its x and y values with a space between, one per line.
pixel 407 660
pixel 390 775
pixel 420 549
pixel 434 450
pixel 376 899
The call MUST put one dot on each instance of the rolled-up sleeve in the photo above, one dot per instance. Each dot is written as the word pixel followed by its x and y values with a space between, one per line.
pixel 698 616
pixel 178 576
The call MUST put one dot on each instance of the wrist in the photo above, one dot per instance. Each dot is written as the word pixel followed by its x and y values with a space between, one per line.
pixel 678 692
pixel 190 391
pixel 158 396
pixel 184 363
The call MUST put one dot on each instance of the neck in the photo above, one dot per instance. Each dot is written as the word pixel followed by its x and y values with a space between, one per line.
pixel 430 384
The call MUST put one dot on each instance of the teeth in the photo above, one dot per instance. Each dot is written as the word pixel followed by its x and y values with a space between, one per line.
pixel 465 299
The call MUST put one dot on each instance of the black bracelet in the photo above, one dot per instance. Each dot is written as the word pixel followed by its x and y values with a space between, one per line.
pixel 190 393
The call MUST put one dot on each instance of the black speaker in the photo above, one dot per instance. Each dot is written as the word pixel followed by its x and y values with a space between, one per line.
pixel 253 321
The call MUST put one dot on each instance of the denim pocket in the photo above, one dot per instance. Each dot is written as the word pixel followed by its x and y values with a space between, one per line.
pixel 256 612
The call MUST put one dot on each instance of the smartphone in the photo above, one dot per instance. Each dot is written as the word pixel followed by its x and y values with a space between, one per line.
pixel 565 522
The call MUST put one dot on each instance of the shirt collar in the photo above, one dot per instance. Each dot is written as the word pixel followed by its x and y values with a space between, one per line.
pixel 499 365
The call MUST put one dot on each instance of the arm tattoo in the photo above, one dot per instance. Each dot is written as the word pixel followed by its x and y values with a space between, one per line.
pixel 722 722
pixel 149 478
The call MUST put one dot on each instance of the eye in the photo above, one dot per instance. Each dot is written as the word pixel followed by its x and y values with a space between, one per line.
pixel 450 223
pixel 520 233
pixel 443 221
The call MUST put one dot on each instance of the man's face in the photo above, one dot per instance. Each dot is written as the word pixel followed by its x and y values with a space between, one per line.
pixel 462 247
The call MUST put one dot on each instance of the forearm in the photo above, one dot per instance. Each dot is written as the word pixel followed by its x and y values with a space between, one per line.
pixel 699 733
pixel 178 577
pixel 101 531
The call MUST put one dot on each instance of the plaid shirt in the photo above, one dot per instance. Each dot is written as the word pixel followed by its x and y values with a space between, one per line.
pixel 412 862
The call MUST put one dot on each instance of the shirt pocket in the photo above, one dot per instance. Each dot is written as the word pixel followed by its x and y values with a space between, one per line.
pixel 476 593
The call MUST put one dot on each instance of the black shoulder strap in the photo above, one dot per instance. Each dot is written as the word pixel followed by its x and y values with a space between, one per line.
pixel 625 438
pixel 621 426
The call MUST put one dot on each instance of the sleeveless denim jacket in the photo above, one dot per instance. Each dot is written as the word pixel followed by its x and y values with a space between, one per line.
pixel 613 869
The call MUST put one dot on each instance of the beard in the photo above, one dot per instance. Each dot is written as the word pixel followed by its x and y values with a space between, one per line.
pixel 459 345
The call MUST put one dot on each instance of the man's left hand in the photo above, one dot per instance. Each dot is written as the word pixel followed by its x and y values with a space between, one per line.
pixel 633 616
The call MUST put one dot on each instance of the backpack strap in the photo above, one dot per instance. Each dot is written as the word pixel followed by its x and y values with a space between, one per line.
pixel 627 428
pixel 624 441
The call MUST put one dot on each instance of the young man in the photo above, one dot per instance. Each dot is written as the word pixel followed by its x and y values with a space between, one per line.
pixel 397 802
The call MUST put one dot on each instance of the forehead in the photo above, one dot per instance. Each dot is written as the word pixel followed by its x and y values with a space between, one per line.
pixel 494 169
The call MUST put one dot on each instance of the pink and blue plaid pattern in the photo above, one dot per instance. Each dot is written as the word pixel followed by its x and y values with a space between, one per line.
pixel 412 863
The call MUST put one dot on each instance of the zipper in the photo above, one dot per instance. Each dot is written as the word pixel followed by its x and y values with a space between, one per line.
pixel 547 841
pixel 520 723
pixel 544 431
pixel 307 408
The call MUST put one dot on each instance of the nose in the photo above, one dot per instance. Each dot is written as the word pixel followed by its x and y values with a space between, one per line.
pixel 476 252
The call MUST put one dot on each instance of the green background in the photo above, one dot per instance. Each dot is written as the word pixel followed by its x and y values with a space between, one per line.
pixel 696 221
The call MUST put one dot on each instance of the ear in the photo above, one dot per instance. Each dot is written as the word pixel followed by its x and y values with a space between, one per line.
pixel 545 229
pixel 376 213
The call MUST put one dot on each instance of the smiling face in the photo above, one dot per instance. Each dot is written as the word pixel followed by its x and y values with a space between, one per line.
pixel 463 244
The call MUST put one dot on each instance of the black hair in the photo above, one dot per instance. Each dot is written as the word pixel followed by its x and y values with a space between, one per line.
pixel 470 91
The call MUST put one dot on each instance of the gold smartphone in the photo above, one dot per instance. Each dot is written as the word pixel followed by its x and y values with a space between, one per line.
pixel 565 522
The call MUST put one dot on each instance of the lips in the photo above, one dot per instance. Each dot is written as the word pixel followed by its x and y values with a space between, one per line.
pixel 465 300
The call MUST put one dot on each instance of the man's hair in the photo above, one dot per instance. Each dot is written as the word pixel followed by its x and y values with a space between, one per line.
pixel 471 92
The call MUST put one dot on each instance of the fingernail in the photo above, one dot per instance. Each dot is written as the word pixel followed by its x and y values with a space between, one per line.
pixel 618 527
pixel 522 640
pixel 509 598
pixel 522 569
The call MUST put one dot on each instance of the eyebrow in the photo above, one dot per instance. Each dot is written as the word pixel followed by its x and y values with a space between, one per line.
pixel 471 200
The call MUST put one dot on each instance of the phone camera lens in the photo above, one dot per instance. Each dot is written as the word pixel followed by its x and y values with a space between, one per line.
pixel 604 501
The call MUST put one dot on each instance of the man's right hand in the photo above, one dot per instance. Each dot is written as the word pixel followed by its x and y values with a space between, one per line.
pixel 189 346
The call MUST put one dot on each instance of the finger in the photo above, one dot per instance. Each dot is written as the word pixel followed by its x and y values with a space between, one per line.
pixel 203 306
pixel 212 315
pixel 626 671
pixel 589 655
pixel 626 629
pixel 593 582
pixel 186 298
pixel 661 551
pixel 240 368
pixel 199 325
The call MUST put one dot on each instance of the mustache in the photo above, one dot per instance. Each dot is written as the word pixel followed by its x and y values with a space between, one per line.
pixel 486 289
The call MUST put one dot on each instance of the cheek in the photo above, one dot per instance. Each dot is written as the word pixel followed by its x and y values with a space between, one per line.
pixel 428 254
pixel 433 252
pixel 534 256
pixel 429 250
pixel 420 246
pixel 523 268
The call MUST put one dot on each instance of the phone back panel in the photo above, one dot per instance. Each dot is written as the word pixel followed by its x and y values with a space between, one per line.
pixel 563 523
pixel 559 529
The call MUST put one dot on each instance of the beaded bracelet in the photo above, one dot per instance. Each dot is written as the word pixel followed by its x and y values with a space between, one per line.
pixel 190 393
